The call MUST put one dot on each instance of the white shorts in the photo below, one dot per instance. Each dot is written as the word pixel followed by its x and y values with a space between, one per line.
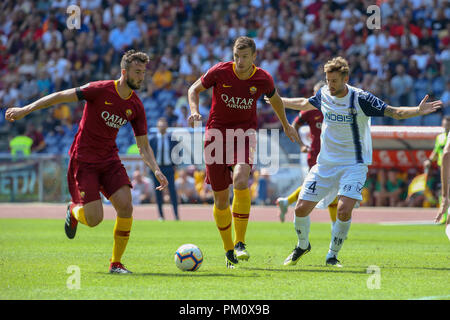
pixel 323 183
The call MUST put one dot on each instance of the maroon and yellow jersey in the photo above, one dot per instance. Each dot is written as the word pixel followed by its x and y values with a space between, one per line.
pixel 234 100
pixel 314 120
pixel 105 112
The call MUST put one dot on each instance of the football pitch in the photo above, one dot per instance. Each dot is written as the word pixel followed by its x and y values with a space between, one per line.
pixel 37 261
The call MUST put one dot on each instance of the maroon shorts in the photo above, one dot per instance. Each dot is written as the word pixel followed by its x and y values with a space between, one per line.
pixel 87 180
pixel 221 157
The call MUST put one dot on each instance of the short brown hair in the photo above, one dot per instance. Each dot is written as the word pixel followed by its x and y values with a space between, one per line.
pixel 337 64
pixel 132 55
pixel 244 42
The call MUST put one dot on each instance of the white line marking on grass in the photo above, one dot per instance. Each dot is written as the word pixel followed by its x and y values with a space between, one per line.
pixel 406 223
pixel 432 298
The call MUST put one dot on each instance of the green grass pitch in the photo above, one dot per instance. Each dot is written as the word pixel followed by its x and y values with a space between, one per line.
pixel 35 255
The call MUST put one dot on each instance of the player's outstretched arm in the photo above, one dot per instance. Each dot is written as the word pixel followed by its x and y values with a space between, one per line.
pixel 423 108
pixel 278 107
pixel 148 156
pixel 295 103
pixel 193 99
pixel 65 96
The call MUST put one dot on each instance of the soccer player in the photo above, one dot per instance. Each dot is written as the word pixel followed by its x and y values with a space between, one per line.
pixel 345 153
pixel 236 88
pixel 95 165
pixel 314 119
pixel 445 176
pixel 436 155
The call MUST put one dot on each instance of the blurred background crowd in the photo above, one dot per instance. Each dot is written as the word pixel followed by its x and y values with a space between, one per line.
pixel 408 57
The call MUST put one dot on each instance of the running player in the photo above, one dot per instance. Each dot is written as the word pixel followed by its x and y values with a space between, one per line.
pixel 436 155
pixel 94 165
pixel 445 177
pixel 314 120
pixel 345 153
pixel 236 88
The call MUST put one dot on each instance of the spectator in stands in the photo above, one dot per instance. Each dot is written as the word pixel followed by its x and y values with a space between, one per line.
pixel 402 88
pixel 396 188
pixel 185 185
pixel 36 135
pixel 170 116
pixel 142 188
pixel 20 145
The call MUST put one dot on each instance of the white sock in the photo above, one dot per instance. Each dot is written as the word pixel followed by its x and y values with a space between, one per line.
pixel 302 225
pixel 338 235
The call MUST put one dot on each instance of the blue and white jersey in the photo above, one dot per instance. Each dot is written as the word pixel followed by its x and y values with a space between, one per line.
pixel 345 137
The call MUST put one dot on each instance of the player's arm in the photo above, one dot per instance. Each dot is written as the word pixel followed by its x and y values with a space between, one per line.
pixel 193 100
pixel 148 156
pixel 409 112
pixel 295 103
pixel 65 96
pixel 278 107
pixel 445 176
pixel 296 124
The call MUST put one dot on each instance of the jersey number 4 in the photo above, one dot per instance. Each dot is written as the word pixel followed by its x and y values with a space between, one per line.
pixel 312 187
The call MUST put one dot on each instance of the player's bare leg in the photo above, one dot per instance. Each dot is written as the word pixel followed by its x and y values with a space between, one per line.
pixel 302 225
pixel 340 229
pixel 89 214
pixel 222 216
pixel 241 208
pixel 121 200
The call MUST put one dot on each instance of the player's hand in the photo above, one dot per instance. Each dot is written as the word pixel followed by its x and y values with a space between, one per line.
pixel 442 209
pixel 427 164
pixel 429 107
pixel 292 133
pixel 13 114
pixel 163 183
pixel 304 149
pixel 266 100
pixel 193 118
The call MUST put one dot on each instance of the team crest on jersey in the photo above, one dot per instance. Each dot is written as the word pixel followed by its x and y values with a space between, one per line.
pixel 128 112
pixel 253 90
pixel 82 194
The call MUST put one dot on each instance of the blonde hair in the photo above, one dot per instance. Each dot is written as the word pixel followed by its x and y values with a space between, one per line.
pixel 337 64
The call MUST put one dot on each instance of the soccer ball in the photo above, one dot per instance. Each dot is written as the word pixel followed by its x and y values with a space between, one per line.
pixel 188 257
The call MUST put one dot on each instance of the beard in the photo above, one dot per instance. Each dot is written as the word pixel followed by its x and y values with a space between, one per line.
pixel 133 85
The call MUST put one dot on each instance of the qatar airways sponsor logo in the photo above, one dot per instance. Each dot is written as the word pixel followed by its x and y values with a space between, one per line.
pixel 113 120
pixel 237 102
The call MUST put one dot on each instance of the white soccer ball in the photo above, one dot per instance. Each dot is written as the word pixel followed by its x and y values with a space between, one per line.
pixel 188 257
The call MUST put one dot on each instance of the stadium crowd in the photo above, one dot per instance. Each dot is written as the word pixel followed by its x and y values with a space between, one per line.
pixel 408 57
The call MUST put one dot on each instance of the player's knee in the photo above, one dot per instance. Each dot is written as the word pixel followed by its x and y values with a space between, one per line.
pixel 125 209
pixel 301 209
pixel 94 219
pixel 344 214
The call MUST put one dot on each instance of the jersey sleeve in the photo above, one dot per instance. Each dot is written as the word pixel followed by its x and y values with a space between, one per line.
pixel 89 91
pixel 371 105
pixel 316 100
pixel 270 87
pixel 210 77
pixel 139 123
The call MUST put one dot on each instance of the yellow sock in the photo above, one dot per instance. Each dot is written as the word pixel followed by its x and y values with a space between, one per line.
pixel 122 229
pixel 78 213
pixel 332 208
pixel 292 198
pixel 241 212
pixel 223 223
